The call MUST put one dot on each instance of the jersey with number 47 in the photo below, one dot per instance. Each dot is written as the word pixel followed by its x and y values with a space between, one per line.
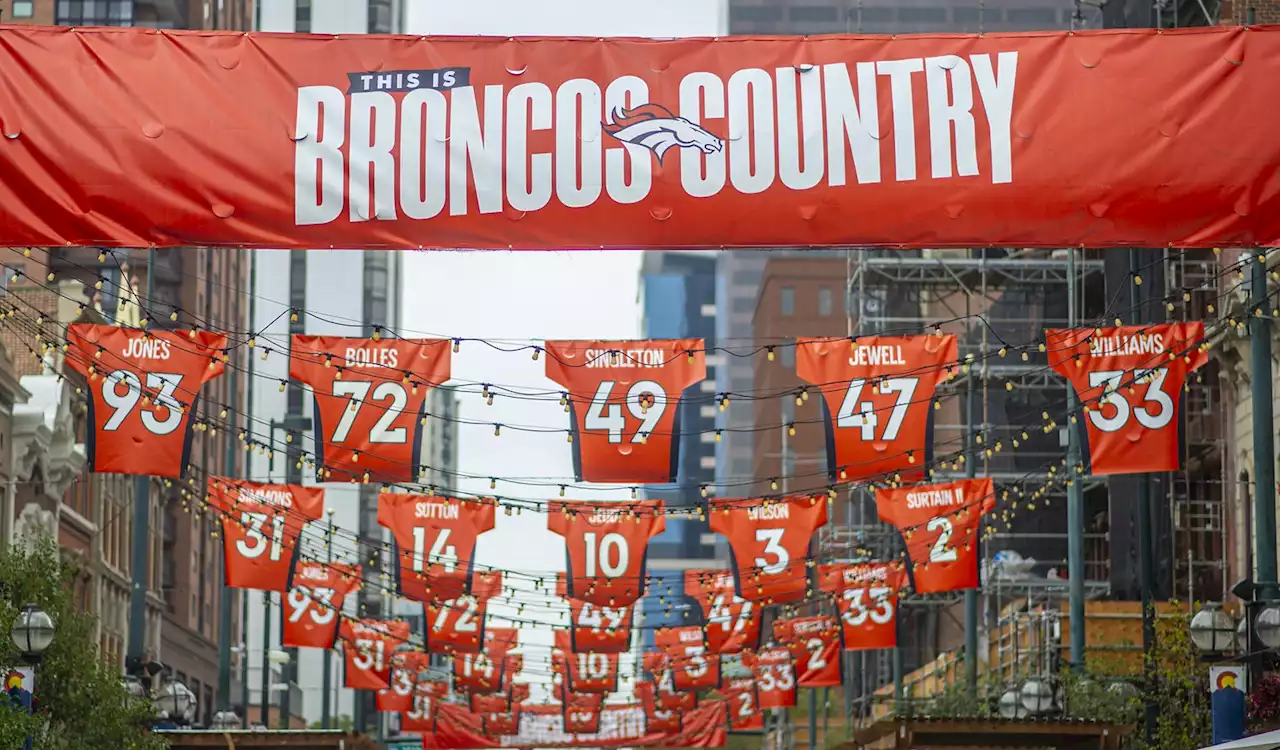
pixel 596 628
pixel 866 597
pixel 370 397
pixel 878 398
pixel 769 543
pixel 261 524
pixel 435 542
pixel 457 626
pixel 732 623
pixel 605 545
pixel 1131 379
pixel 143 388
pixel 313 607
pixel 941 525
pixel 623 399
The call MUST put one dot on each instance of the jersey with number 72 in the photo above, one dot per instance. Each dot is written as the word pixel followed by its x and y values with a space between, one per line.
pixel 878 399
pixel 1131 381
pixel 261 524
pixel 941 525
pixel 370 398
pixel 769 543
pixel 624 404
pixel 143 388
pixel 458 626
pixel 435 542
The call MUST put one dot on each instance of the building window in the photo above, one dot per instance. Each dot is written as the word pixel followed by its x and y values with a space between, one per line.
pixel 788 355
pixel 824 301
pixel 788 301
pixel 756 14
pixel 814 13
pixel 93 12
pixel 380 17
pixel 302 17
pixel 23 8
pixel 922 15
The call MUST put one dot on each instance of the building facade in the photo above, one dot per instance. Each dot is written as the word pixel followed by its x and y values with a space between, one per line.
pixel 156 14
pixel 803 17
pixel 332 16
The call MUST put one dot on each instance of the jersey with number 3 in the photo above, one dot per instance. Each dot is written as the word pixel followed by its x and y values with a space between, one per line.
pixel 261 524
pixel 878 399
pixel 815 642
pixel 941 525
pixel 692 666
pixel 593 627
pixel 313 607
pixel 774 670
pixel 143 388
pixel 867 599
pixel 1132 380
pixel 605 545
pixel 457 626
pixel 769 543
pixel 624 399
pixel 370 398
pixel 435 542
pixel 368 647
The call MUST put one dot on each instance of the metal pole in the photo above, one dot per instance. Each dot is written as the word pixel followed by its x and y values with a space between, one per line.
pixel 265 701
pixel 813 719
pixel 1146 549
pixel 1264 448
pixel 970 595
pixel 225 603
pixel 248 460
pixel 141 530
pixel 1075 495
pixel 898 681
pixel 327 684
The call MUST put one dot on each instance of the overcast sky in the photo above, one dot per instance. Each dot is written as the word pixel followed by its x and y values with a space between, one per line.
pixel 530 297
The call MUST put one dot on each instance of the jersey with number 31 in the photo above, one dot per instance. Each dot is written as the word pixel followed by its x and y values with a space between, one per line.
pixel 1131 379
pixel 435 542
pixel 370 398
pixel 143 388
pixel 941 525
pixel 769 543
pixel 878 393
pixel 605 544
pixel 624 399
pixel 261 524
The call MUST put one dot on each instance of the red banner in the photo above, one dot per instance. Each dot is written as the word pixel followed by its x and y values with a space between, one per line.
pixel 543 726
pixel 140 137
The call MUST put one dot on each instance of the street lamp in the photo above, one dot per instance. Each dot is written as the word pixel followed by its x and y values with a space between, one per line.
pixel 174 699
pixel 1212 630
pixel 1267 627
pixel 32 632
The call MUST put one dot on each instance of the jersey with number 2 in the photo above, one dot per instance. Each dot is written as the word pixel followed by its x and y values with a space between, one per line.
pixel 941 525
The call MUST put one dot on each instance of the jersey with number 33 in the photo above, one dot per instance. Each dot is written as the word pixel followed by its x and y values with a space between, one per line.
pixel 143 388
pixel 866 597
pixel 769 543
pixel 940 524
pixel 435 542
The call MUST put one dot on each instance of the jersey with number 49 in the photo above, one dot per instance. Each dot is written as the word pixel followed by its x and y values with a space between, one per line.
pixel 368 647
pixel 313 607
pixel 457 626
pixel 261 524
pixel 596 628
pixel 815 642
pixel 143 388
pixel 867 598
pixel 624 399
pixel 370 397
pixel 605 545
pixel 732 623
pixel 435 542
pixel 1131 379
pixel 769 543
pixel 941 525
pixel 878 398
pixel 774 671
pixel 744 705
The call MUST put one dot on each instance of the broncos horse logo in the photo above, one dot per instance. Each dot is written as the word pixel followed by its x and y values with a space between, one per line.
pixel 658 129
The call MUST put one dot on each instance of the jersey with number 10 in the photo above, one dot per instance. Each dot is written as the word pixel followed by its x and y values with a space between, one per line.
pixel 605 545
pixel 624 399
pixel 940 524
pixel 769 543
pixel 1131 380
pixel 143 388
pixel 867 599
pixel 313 607
pixel 261 524
pixel 878 398
pixel 435 542
pixel 370 398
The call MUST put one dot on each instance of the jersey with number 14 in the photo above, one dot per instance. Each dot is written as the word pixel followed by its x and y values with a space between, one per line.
pixel 624 399
pixel 769 543
pixel 369 399
pixel 1131 381
pixel 143 388
pixel 605 545
pixel 435 542
pixel 261 524
pixel 941 525
pixel 878 397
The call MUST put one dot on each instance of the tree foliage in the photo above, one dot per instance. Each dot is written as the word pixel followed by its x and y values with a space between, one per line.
pixel 81 701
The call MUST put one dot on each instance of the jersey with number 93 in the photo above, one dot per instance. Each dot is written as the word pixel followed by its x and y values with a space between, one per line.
pixel 1131 380
pixel 143 388
pixel 313 607
pixel 769 543
pixel 878 398
pixel 594 627
pixel 605 545
pixel 866 597
pixel 940 524
pixel 368 647
pixel 624 399
pixel 369 401
pixel 261 524
pixel 458 625
pixel 435 541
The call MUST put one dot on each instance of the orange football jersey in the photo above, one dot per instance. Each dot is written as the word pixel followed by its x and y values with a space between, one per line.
pixel 261 524
pixel 422 716
pixel 774 671
pixel 867 598
pixel 313 608
pixel 1131 379
pixel 769 543
pixel 744 705
pixel 732 623
pixel 406 668
pixel 878 400
pixel 582 713
pixel 658 719
pixel 368 646
pixel 490 703
pixel 500 724
pixel 435 542
pixel 587 672
pixel 815 642
pixel 370 399
pixel 606 545
pixel 458 625
pixel 478 673
pixel 143 388
pixel 603 630
pixel 941 525
pixel 692 666
pixel 623 399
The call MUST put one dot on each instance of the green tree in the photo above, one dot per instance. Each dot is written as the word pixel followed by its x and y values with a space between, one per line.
pixel 81 701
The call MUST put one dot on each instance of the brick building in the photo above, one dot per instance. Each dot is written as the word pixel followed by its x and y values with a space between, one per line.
pixel 159 14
